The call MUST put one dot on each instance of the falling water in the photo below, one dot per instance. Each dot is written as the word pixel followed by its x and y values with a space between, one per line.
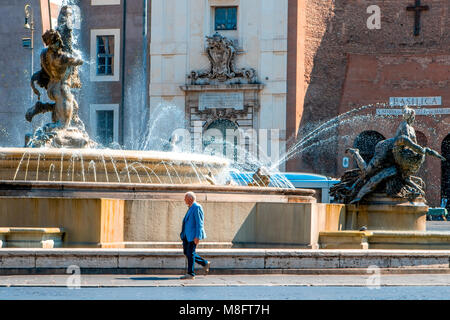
pixel 195 170
pixel 82 167
pixel 26 170
pixel 18 167
pixel 167 170
pixel 93 168
pixel 115 168
pixel 149 180
pixel 126 169
pixel 61 168
pixel 51 169
pixel 104 165
pixel 137 174
pixel 37 167
pixel 73 165
pixel 176 172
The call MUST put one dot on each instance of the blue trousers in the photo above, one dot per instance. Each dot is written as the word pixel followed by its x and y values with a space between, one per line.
pixel 192 256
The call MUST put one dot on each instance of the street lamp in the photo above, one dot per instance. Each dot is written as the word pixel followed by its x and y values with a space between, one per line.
pixel 29 42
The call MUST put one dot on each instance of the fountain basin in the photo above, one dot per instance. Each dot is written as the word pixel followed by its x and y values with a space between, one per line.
pixel 386 213
pixel 116 198
pixel 144 215
pixel 109 166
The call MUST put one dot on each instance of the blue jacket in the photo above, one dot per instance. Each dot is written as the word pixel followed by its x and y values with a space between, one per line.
pixel 193 224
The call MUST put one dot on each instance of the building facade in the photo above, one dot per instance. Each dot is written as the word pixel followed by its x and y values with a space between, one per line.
pixel 223 65
pixel 303 76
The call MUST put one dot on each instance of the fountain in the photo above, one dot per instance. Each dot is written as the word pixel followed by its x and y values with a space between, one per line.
pixel 385 204
pixel 63 189
pixel 98 197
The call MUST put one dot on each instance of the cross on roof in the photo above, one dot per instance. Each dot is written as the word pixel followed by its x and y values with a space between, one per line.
pixel 417 8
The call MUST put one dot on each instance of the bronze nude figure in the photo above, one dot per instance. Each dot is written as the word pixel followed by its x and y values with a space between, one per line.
pixel 56 65
pixel 391 168
pixel 58 75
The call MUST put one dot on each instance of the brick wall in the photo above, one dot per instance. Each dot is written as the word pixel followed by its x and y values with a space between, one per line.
pixel 336 30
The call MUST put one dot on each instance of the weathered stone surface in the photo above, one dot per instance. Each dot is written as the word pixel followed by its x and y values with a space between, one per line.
pixel 152 259
pixel 385 240
pixel 299 262
pixel 17 258
pixel 105 258
pixel 224 259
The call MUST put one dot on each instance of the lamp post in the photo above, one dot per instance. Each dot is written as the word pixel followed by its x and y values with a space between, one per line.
pixel 27 42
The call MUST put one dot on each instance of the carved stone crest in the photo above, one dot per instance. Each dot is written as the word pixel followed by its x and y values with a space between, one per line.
pixel 221 54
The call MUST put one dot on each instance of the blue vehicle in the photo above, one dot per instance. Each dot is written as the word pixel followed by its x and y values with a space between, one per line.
pixel 437 214
pixel 320 183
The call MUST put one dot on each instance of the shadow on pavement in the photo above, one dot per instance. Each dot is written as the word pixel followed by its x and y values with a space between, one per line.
pixel 150 278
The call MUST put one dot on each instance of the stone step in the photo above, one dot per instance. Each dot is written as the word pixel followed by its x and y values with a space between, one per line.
pixel 171 245
pixel 26 237
pixel 223 261
pixel 384 239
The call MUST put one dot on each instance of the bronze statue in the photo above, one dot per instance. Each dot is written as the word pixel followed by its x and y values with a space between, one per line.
pixel 391 168
pixel 261 178
pixel 58 75
pixel 56 65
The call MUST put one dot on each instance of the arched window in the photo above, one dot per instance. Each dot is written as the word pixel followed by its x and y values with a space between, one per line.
pixel 445 151
pixel 366 142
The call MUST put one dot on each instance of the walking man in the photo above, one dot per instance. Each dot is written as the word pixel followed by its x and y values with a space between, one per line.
pixel 192 232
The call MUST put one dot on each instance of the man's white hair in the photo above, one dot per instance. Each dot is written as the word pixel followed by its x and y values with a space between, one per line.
pixel 190 195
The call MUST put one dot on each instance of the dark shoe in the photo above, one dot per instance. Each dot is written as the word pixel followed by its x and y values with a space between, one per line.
pixel 206 267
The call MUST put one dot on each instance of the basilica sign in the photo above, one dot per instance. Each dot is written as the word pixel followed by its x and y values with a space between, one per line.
pixel 419 112
pixel 415 101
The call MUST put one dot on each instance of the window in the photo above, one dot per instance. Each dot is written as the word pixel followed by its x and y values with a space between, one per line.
pixel 105 55
pixel 225 18
pixel 104 120
pixel 105 127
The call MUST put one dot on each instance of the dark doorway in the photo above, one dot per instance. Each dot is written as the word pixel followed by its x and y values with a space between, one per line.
pixel 445 188
pixel 366 142
pixel 216 134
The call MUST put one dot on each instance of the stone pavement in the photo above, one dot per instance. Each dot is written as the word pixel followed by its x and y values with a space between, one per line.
pixel 440 226
pixel 98 281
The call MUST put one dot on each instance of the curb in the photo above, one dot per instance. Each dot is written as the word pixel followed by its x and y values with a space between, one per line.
pixel 224 261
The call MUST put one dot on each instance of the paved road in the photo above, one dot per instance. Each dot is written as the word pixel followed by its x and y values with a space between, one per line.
pixel 93 281
pixel 227 293
pixel 223 287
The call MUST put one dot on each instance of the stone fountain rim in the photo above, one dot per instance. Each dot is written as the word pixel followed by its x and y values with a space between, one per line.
pixel 119 154
pixel 19 185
